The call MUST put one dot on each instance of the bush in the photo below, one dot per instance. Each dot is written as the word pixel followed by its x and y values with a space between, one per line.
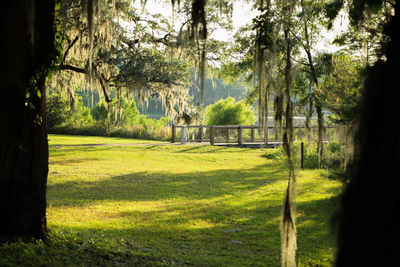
pixel 80 116
pixel 331 159
pixel 57 110
pixel 227 112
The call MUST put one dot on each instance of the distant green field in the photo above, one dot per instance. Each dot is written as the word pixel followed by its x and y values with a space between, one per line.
pixel 174 206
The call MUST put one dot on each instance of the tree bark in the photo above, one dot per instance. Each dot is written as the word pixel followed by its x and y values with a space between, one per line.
pixel 369 233
pixel 317 96
pixel 27 45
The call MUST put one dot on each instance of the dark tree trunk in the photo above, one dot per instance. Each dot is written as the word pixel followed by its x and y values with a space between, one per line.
pixel 27 46
pixel 369 233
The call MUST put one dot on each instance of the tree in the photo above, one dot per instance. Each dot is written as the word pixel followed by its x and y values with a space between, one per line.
pixel 311 23
pixel 28 36
pixel 227 112
pixel 342 89
pixel 148 59
pixel 124 113
pixel 274 48
pixel 367 39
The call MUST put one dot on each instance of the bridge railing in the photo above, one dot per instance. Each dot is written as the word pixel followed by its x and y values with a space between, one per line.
pixel 238 134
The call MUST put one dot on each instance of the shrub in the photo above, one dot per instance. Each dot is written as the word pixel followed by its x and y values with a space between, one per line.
pixel 80 116
pixel 332 157
pixel 57 110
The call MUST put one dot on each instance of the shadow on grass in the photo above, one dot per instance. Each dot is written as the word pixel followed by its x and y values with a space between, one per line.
pixel 162 186
pixel 316 231
pixel 58 151
pixel 198 149
pixel 230 228
pixel 67 162
pixel 233 235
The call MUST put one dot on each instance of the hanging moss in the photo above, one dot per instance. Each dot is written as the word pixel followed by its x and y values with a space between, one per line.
pixel 288 224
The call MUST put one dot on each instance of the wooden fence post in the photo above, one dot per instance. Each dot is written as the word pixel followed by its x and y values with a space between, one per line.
pixel 212 135
pixel 240 140
pixel 173 133
pixel 227 135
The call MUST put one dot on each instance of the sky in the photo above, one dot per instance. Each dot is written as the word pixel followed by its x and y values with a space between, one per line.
pixel 243 13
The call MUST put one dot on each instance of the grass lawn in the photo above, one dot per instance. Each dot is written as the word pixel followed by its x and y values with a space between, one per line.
pixel 174 205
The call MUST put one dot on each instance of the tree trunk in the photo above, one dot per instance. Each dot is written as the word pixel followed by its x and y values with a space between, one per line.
pixel 27 45
pixel 369 233
pixel 320 144
pixel 317 96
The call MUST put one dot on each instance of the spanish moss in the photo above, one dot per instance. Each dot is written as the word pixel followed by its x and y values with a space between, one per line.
pixel 288 222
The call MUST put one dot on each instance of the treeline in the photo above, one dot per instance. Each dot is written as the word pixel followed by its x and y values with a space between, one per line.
pixel 118 119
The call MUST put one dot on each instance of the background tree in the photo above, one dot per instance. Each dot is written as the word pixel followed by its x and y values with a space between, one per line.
pixel 311 22
pixel 227 112
pixel 107 55
pixel 342 89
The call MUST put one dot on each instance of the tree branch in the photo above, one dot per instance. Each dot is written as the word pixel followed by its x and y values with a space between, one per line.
pixel 73 68
pixel 69 47
pixel 99 76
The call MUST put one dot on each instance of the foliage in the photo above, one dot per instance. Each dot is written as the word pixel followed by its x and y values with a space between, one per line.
pixel 342 89
pixel 57 110
pixel 130 205
pixel 216 88
pixel 366 38
pixel 332 158
pixel 60 112
pixel 227 112
pixel 80 115
pixel 113 119
pixel 124 113
pixel 148 57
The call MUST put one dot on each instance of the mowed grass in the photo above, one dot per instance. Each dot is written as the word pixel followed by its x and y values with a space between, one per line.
pixel 94 140
pixel 175 206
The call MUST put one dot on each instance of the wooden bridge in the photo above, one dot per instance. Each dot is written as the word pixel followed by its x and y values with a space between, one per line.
pixel 242 135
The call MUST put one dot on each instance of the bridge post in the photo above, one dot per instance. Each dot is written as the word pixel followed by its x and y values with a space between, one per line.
pixel 184 134
pixel 212 135
pixel 266 135
pixel 173 133
pixel 240 140
pixel 252 134
pixel 201 133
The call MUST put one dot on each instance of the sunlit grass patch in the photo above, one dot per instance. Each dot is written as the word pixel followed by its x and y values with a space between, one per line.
pixel 180 205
